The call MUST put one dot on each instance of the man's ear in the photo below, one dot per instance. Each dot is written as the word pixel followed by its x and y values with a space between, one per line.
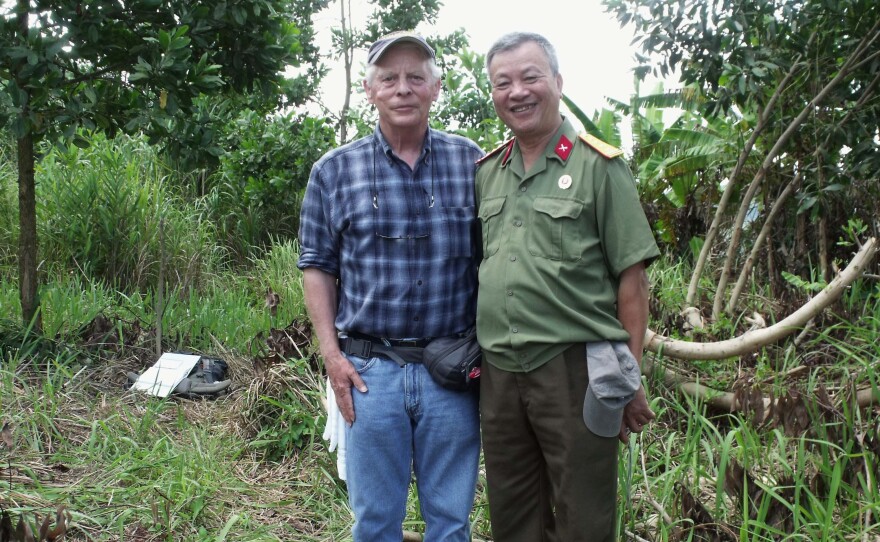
pixel 367 91
pixel 559 82
pixel 437 87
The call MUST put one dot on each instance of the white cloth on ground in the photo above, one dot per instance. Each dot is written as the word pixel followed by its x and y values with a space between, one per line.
pixel 334 431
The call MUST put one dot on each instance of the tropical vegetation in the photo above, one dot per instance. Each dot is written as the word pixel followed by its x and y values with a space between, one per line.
pixel 152 160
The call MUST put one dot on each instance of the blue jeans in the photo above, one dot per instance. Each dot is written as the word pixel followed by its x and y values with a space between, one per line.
pixel 407 423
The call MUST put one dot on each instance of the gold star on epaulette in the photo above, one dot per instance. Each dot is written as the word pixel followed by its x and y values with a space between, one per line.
pixel 606 150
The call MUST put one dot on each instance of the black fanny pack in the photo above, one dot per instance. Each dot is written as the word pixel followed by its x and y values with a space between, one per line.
pixel 454 362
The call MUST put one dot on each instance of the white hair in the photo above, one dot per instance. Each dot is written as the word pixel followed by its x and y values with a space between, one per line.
pixel 433 68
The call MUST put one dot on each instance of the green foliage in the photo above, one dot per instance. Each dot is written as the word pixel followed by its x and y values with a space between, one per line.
pixel 222 307
pixel 262 177
pixel 749 71
pixel 138 65
pixel 109 212
pixel 276 271
pixel 134 67
pixel 465 104
pixel 8 202
pixel 287 424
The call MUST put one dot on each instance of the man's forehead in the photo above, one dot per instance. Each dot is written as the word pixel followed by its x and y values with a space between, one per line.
pixel 528 55
pixel 409 67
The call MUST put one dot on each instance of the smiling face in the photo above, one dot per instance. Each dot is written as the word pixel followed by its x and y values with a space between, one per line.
pixel 402 88
pixel 525 91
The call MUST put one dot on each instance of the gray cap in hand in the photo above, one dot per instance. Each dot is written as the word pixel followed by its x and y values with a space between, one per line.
pixel 615 377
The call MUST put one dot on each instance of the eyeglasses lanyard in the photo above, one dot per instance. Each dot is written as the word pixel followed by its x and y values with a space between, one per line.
pixel 374 186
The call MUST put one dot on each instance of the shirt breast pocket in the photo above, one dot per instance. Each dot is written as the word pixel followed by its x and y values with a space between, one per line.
pixel 554 233
pixel 458 223
pixel 490 222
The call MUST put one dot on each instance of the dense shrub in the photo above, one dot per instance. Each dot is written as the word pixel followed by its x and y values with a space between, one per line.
pixel 262 177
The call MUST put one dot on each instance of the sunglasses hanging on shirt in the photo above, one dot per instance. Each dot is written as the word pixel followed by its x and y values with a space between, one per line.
pixel 384 227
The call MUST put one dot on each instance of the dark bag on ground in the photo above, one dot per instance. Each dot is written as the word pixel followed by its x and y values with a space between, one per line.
pixel 207 379
pixel 454 362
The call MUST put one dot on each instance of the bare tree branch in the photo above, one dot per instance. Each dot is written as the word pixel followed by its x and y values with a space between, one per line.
pixel 759 242
pixel 731 185
pixel 844 72
pixel 753 340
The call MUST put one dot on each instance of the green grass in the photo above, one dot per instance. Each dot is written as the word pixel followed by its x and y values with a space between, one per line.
pixel 251 465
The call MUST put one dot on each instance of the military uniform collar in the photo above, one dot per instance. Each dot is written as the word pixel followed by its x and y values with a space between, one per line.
pixel 560 146
pixel 562 143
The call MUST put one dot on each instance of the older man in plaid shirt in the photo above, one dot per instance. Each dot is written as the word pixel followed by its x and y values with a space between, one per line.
pixel 389 259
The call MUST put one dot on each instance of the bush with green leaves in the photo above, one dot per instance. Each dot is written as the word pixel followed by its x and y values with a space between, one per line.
pixel 262 177
pixel 108 212
pixel 465 104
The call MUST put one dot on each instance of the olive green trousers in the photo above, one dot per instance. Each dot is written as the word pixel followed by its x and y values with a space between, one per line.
pixel 549 478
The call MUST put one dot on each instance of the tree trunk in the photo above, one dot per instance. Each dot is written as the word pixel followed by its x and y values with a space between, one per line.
pixel 728 190
pixel 800 239
pixel 347 54
pixel 27 224
pixel 759 243
pixel 27 201
pixel 769 161
pixel 772 277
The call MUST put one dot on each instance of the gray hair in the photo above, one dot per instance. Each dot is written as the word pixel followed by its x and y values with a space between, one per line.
pixel 433 68
pixel 513 40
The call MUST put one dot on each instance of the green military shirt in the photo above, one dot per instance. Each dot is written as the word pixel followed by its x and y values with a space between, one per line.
pixel 555 241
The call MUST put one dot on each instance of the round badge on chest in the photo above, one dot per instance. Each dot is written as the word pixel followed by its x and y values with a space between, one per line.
pixel 565 182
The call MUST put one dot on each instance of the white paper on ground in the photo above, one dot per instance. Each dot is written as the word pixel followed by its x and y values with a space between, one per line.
pixel 166 374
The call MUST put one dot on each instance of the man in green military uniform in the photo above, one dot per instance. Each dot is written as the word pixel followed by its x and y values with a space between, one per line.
pixel 561 311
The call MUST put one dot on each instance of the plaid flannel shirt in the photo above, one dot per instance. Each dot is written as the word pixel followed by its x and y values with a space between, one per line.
pixel 403 243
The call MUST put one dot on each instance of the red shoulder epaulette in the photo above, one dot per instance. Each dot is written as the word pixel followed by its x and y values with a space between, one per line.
pixel 496 150
pixel 606 150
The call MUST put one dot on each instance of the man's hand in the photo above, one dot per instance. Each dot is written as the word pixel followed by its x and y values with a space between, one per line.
pixel 636 415
pixel 342 377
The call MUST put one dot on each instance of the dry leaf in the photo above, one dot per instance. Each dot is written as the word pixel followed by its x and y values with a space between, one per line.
pixel 62 518
pixel 6 435
pixel 23 531
pixel 272 301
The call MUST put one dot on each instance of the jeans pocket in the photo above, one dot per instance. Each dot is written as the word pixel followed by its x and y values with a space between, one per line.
pixel 362 365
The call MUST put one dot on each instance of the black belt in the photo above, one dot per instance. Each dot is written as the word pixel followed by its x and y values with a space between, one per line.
pixel 401 351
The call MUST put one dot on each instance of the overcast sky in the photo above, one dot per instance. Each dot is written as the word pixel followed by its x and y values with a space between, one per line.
pixel 595 55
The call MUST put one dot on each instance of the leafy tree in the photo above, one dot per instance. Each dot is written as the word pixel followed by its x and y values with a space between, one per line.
pixel 465 104
pixel 134 65
pixel 797 82
pixel 192 141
